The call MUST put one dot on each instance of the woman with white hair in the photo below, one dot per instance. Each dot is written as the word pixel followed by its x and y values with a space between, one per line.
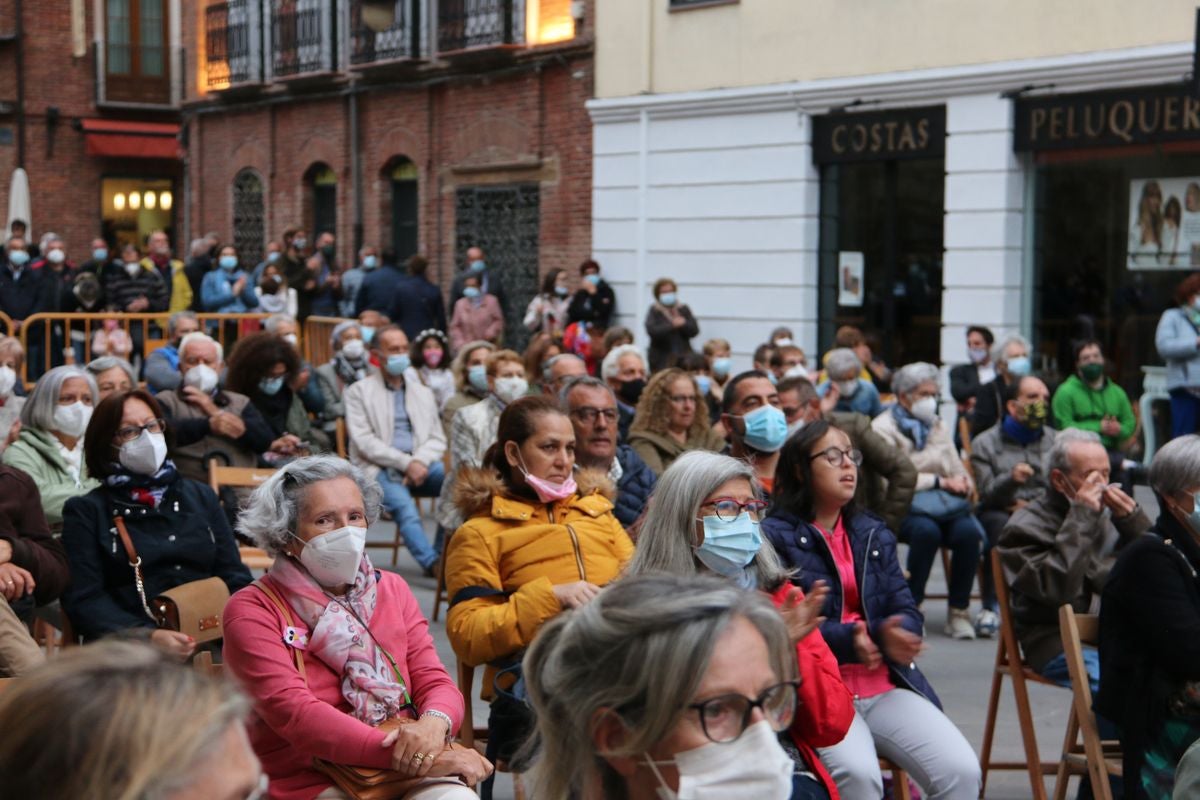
pixel 941 513
pixel 702 722
pixel 1150 630
pixel 843 378
pixel 704 519
pixel 49 447
pixel 113 375
pixel 1011 357
pixel 350 363
pixel 354 679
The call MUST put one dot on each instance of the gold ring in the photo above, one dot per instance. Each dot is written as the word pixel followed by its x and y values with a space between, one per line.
pixel 430 757
pixel 418 757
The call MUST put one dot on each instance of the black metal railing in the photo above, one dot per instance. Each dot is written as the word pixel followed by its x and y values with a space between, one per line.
pixel 302 37
pixel 463 24
pixel 400 41
pixel 231 58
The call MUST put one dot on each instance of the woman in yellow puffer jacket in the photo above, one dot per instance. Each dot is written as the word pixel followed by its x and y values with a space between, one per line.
pixel 539 537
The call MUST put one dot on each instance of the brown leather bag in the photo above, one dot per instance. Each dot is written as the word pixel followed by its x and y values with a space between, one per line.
pixel 360 783
pixel 193 608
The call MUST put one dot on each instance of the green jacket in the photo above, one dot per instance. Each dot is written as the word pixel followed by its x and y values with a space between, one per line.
pixel 1077 405
pixel 36 453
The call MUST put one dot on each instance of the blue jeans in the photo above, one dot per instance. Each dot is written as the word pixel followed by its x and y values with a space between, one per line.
pixel 1185 412
pixel 925 536
pixel 398 499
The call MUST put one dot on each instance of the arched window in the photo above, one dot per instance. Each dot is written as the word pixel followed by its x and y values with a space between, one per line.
pixel 405 209
pixel 322 183
pixel 248 213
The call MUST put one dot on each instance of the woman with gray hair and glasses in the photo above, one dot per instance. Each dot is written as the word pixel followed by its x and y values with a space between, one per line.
pixel 1150 630
pixel 113 376
pixel 704 519
pixel 702 722
pixel 336 654
pixel 49 447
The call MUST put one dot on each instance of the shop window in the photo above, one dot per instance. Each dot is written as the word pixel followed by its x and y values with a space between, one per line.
pixel 505 222
pixel 322 183
pixel 248 213
pixel 136 62
pixel 132 208
pixel 1113 238
pixel 881 255
pixel 405 209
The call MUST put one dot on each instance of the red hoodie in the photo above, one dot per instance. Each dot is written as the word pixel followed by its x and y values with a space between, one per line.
pixel 825 708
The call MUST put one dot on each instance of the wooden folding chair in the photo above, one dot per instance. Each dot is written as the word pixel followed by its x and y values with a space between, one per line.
pixel 1094 757
pixel 203 662
pixel 439 591
pixel 471 736
pixel 53 637
pixel 242 478
pixel 1010 663
pixel 900 790
pixel 339 437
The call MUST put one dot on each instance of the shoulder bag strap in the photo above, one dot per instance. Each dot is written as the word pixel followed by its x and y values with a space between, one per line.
pixel 277 601
pixel 135 561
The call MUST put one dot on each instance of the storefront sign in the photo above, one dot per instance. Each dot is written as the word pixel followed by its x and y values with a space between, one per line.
pixel 880 136
pixel 850 278
pixel 1144 115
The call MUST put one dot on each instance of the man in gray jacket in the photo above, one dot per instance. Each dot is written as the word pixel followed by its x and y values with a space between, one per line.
pixel 1060 548
pixel 1009 460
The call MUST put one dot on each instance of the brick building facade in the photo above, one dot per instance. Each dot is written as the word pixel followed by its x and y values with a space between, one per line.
pixel 486 141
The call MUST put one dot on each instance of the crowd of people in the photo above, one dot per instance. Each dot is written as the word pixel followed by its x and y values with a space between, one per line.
pixel 678 578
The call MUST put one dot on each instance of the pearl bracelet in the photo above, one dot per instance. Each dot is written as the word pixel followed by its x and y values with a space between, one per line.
pixel 443 717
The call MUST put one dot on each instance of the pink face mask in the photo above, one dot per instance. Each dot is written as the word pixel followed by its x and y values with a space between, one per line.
pixel 548 491
pixel 433 357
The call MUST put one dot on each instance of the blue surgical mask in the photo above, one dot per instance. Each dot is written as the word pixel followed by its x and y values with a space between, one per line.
pixel 1020 366
pixel 561 291
pixel 368 332
pixel 471 293
pixel 396 364
pixel 100 254
pixel 721 367
pixel 370 262
pixel 270 386
pixel 594 280
pixel 272 257
pixel 703 383
pixel 18 258
pixel 737 541
pixel 1193 519
pixel 228 262
pixel 668 299
pixel 477 377
pixel 478 266
pixel 766 429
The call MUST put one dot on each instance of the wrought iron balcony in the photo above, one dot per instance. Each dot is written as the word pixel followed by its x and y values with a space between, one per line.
pixel 404 40
pixel 466 24
pixel 232 43
pixel 302 37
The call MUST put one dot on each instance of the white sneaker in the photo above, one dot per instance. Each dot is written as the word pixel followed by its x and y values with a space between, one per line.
pixel 986 624
pixel 958 625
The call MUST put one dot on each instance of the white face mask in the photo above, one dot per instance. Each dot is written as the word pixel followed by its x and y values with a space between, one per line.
pixel 795 427
pixel 202 377
pixel 72 420
pixel 132 268
pixel 753 765
pixel 510 389
pixel 145 454
pixel 333 558
pixel 847 388
pixel 290 339
pixel 796 371
pixel 353 349
pixel 925 409
pixel 8 379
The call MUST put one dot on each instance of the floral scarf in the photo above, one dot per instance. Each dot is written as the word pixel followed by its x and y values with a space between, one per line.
pixel 337 635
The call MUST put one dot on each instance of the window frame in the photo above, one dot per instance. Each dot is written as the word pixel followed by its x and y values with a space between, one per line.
pixel 133 87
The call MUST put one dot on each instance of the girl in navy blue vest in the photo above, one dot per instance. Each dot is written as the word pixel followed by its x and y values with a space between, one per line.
pixel 872 624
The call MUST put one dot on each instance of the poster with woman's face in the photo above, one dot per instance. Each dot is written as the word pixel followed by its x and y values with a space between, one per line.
pixel 1164 223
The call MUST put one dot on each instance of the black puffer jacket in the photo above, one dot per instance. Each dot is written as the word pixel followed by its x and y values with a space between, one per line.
pixel 635 487
pixel 185 539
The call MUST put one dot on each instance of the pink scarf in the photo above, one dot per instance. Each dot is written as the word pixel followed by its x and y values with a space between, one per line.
pixel 338 637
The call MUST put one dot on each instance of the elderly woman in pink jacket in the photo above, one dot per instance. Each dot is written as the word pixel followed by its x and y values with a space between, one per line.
pixel 366 654
pixel 477 315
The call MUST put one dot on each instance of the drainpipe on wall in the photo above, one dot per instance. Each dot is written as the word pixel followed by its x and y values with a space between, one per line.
pixel 20 34
pixel 355 174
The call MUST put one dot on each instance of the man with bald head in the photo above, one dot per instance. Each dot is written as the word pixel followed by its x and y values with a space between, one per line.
pixel 559 370
pixel 489 281
pixel 1060 547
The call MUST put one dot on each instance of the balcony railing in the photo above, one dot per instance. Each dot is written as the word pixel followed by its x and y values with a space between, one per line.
pixel 464 24
pixel 403 40
pixel 232 43
pixel 302 37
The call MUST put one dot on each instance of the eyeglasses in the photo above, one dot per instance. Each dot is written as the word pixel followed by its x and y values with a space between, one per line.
pixel 837 458
pixel 587 414
pixel 723 719
pixel 682 399
pixel 131 432
pixel 728 509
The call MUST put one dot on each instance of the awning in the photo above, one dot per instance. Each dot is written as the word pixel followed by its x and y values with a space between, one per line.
pixel 119 139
